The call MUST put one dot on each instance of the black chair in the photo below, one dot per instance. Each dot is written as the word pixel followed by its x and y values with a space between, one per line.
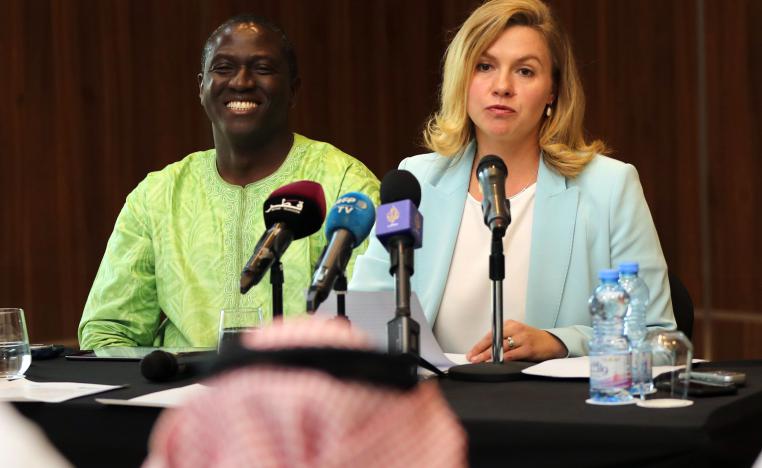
pixel 682 305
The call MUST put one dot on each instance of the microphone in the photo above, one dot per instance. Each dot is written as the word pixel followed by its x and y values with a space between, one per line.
pixel 492 173
pixel 398 218
pixel 399 227
pixel 161 366
pixel 291 212
pixel 348 224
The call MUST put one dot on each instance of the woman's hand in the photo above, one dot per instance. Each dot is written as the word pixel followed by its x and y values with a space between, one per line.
pixel 520 343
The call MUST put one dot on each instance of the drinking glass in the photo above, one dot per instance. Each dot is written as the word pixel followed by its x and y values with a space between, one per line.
pixel 234 322
pixel 15 356
pixel 674 349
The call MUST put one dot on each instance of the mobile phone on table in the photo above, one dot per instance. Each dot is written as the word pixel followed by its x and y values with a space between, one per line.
pixel 698 389
pixel 717 377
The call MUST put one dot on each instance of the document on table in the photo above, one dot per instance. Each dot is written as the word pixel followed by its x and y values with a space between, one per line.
pixel 457 358
pixel 371 311
pixel 579 368
pixel 48 392
pixel 163 399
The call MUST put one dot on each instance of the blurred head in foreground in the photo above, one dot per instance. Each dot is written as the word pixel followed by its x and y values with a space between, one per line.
pixel 270 415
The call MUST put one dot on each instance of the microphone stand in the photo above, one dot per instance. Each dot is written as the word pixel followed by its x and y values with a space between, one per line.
pixel 497 370
pixel 497 274
pixel 404 332
pixel 276 280
pixel 340 286
pixel 402 262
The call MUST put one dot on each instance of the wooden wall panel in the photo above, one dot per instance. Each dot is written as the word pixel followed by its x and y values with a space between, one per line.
pixel 734 75
pixel 733 338
pixel 99 93
pixel 733 45
pixel 14 254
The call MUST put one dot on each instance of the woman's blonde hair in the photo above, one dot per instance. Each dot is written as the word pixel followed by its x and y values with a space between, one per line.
pixel 562 139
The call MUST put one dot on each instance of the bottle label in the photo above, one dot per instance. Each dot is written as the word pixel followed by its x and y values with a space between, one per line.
pixel 641 366
pixel 610 371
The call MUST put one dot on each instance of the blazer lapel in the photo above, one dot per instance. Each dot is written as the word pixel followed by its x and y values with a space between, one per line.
pixel 555 215
pixel 444 192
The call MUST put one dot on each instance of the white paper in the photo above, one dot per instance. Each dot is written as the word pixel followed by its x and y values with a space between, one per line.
pixel 371 311
pixel 163 399
pixel 569 368
pixel 579 368
pixel 48 392
pixel 457 358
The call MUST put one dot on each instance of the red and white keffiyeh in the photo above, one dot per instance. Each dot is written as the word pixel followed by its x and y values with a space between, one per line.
pixel 267 416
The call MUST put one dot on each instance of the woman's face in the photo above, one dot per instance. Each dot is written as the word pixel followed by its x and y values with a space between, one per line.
pixel 510 87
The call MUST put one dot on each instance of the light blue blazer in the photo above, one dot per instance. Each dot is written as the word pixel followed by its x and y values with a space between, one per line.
pixel 581 225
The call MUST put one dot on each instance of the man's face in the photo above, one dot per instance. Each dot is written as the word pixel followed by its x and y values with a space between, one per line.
pixel 245 87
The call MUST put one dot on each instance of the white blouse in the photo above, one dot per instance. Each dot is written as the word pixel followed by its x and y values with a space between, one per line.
pixel 465 314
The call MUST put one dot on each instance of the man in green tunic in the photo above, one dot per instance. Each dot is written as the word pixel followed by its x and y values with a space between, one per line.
pixel 185 232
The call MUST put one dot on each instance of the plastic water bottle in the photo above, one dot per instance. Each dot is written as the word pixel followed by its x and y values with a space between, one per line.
pixel 635 328
pixel 610 363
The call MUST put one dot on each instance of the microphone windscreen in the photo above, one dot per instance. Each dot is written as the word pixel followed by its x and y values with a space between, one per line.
pixel 491 160
pixel 399 184
pixel 158 366
pixel 353 211
pixel 299 205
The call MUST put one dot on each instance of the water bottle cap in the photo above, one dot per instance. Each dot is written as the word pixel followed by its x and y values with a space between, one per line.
pixel 608 275
pixel 629 267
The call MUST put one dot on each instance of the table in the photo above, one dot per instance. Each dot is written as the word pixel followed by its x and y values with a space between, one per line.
pixel 532 422
pixel 545 422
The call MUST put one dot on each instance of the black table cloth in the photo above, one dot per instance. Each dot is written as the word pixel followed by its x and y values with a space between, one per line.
pixel 532 422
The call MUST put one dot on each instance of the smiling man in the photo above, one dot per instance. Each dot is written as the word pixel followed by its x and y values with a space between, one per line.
pixel 186 231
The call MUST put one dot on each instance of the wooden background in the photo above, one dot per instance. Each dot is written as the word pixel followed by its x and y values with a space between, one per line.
pixel 96 93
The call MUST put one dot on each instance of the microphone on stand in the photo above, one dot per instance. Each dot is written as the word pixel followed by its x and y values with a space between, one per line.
pixel 291 212
pixel 496 207
pixel 348 224
pixel 399 227
pixel 492 173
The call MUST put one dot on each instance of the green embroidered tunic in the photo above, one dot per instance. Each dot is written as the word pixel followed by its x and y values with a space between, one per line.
pixel 182 238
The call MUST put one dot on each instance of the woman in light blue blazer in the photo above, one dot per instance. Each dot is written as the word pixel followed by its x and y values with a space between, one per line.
pixel 510 87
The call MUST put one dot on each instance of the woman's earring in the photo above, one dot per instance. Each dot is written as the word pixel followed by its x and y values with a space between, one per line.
pixel 548 111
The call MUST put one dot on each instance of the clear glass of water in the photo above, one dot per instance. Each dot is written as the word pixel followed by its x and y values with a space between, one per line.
pixel 15 356
pixel 234 322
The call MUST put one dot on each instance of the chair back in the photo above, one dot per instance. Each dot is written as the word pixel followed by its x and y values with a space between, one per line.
pixel 682 304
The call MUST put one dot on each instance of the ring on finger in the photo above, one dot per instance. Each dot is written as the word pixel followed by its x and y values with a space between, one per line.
pixel 511 343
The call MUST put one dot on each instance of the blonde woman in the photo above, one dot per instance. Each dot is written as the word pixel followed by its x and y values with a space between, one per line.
pixel 510 87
